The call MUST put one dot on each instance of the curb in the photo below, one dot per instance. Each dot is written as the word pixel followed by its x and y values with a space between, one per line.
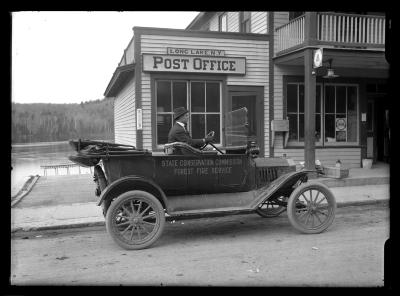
pixel 362 203
pixel 58 227
pixel 182 217
pixel 350 182
pixel 23 192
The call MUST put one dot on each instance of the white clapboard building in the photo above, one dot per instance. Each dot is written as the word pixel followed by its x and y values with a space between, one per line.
pixel 308 85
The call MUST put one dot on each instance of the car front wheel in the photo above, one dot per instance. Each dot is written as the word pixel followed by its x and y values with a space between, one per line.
pixel 135 220
pixel 311 207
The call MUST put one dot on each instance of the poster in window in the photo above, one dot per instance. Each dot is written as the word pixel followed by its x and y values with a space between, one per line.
pixel 341 136
pixel 341 124
pixel 341 129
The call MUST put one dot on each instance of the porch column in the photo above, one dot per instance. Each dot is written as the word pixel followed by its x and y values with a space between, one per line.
pixel 309 110
pixel 310 30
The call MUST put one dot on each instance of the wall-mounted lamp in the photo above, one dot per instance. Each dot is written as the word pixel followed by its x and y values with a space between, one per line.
pixel 330 73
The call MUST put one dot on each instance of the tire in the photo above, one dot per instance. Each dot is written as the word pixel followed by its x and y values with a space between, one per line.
pixel 303 208
pixel 138 228
pixel 270 208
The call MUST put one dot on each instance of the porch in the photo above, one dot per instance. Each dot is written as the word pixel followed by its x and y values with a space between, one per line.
pixel 332 30
pixel 352 45
pixel 378 174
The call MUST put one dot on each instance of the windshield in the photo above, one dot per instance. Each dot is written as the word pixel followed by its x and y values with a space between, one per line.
pixel 237 127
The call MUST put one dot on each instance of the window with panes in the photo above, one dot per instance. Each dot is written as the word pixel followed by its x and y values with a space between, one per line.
pixel 202 99
pixel 341 113
pixel 336 113
pixel 223 22
pixel 245 21
pixel 295 112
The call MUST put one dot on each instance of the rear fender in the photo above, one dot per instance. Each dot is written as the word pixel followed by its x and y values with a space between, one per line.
pixel 128 183
pixel 281 186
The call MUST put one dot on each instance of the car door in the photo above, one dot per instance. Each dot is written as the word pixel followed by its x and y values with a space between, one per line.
pixel 202 178
pixel 232 171
pixel 170 175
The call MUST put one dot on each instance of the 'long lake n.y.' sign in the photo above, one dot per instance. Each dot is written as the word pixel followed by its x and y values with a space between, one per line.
pixel 193 64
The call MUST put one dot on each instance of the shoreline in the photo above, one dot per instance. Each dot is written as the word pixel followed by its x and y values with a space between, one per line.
pixel 25 189
pixel 38 144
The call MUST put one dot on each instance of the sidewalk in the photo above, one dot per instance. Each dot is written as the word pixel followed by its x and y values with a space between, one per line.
pixel 55 204
pixel 89 214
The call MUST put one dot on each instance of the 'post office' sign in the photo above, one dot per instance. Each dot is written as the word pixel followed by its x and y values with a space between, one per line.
pixel 193 64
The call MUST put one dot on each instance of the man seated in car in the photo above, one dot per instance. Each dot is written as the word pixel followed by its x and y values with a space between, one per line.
pixel 179 132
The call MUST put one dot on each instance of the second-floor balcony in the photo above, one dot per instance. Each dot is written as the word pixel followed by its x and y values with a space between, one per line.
pixel 333 29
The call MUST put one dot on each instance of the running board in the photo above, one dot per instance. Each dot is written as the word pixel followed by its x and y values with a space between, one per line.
pixel 207 203
pixel 212 212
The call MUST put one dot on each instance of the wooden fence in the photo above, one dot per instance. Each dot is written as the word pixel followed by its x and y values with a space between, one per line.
pixel 66 166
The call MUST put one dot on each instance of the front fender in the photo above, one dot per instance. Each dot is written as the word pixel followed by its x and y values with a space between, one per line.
pixel 133 183
pixel 284 182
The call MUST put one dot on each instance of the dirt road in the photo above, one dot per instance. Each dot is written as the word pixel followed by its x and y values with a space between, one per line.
pixel 239 250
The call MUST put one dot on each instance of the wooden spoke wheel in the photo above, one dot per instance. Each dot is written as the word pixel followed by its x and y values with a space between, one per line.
pixel 311 207
pixel 272 207
pixel 135 220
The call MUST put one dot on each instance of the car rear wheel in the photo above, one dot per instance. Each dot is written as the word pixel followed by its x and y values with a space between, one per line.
pixel 272 208
pixel 311 207
pixel 135 220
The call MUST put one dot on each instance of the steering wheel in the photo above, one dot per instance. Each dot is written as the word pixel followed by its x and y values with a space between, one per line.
pixel 211 134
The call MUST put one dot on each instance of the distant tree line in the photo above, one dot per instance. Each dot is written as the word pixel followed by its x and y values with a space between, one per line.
pixel 40 122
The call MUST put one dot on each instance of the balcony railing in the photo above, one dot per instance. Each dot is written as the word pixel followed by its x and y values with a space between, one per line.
pixel 291 34
pixel 350 30
pixel 353 29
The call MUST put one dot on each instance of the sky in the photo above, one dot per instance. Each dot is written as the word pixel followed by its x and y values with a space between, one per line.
pixel 69 57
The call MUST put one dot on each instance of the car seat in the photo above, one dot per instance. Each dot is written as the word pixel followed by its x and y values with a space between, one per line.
pixel 182 148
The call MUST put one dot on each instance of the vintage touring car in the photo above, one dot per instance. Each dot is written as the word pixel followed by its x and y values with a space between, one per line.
pixel 137 188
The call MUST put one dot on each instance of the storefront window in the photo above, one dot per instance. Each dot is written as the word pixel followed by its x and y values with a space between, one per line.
pixel 198 96
pixel 170 95
pixel 205 109
pixel 340 113
pixel 330 113
pixel 352 119
pixel 212 97
pixel 201 98
pixel 179 94
pixel 295 112
pixel 341 119
pixel 164 96
pixel 318 117
pixel 292 111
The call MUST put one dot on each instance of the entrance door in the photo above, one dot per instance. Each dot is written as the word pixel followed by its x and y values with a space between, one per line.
pixel 378 129
pixel 382 128
pixel 371 139
pixel 246 109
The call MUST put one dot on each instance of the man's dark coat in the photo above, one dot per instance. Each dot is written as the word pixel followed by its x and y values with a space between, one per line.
pixel 178 134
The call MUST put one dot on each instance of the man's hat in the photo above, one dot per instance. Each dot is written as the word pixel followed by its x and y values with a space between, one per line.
pixel 178 112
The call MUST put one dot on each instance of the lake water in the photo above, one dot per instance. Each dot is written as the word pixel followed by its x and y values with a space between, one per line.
pixel 26 160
